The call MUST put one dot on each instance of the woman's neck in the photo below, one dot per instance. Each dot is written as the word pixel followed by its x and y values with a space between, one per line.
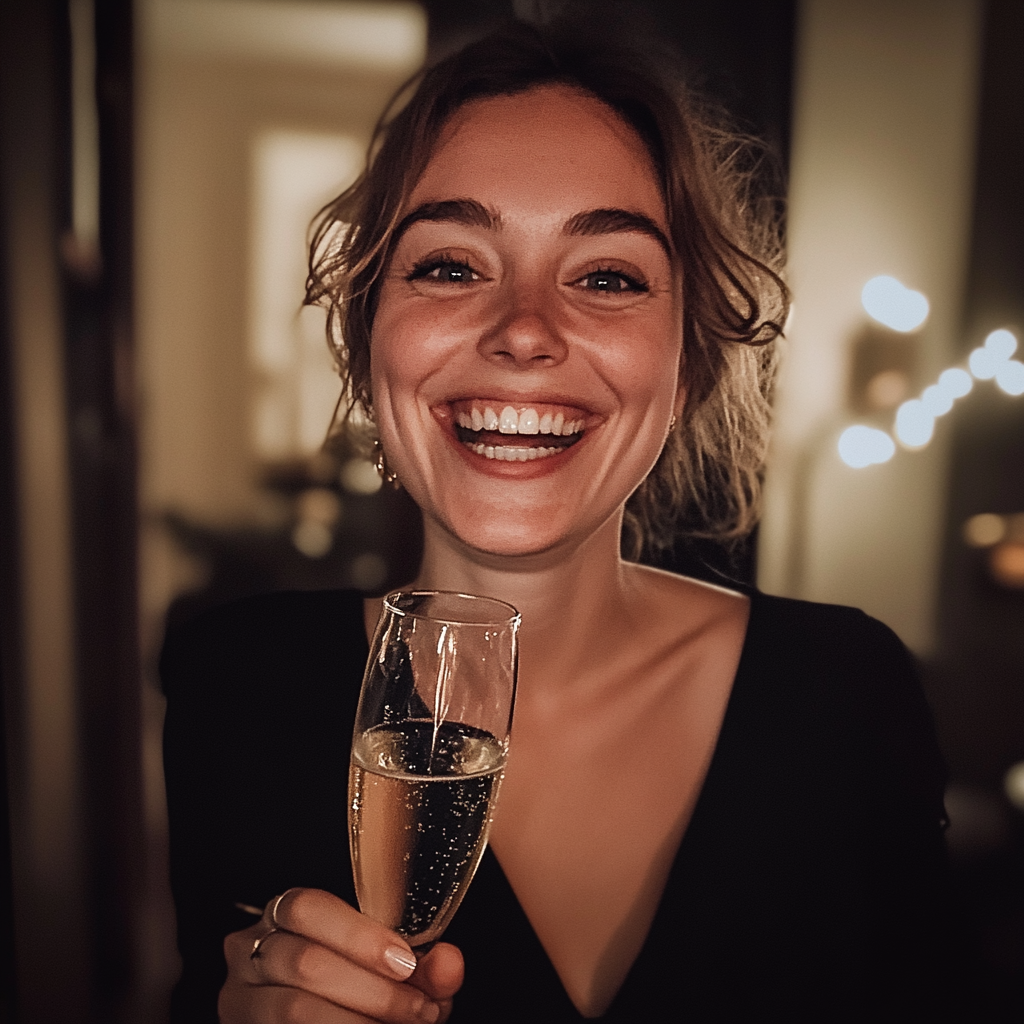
pixel 571 601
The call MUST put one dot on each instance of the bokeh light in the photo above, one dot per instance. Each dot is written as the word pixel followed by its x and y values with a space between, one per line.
pixel 887 389
pixel 937 400
pixel 915 425
pixel 984 530
pixel 360 476
pixel 1010 377
pixel 368 571
pixel 1002 343
pixel 983 363
pixel 861 446
pixel 1013 785
pixel 313 539
pixel 992 358
pixel 1006 563
pixel 956 382
pixel 891 303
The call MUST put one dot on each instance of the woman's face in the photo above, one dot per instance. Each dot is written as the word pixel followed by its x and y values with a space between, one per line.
pixel 525 349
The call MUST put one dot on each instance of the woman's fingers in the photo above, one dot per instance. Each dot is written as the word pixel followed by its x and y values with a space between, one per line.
pixel 312 949
pixel 333 923
pixel 439 974
pixel 238 1003
pixel 292 961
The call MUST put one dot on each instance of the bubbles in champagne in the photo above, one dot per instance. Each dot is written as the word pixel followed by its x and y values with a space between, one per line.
pixel 420 804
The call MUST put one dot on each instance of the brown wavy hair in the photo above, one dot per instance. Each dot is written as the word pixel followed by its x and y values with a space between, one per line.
pixel 707 480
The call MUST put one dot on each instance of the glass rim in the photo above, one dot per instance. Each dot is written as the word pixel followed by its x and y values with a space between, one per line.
pixel 512 618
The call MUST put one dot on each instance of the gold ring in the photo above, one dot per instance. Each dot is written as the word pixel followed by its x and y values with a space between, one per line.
pixel 257 950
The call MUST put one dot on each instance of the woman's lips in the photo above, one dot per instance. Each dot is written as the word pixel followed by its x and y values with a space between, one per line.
pixel 516 433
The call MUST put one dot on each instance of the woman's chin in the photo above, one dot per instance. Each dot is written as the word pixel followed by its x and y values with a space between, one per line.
pixel 501 545
pixel 544 539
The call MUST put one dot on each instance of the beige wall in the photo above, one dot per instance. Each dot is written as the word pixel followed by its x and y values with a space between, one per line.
pixel 882 162
pixel 211 77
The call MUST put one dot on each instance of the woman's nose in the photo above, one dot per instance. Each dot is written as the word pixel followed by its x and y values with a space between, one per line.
pixel 525 336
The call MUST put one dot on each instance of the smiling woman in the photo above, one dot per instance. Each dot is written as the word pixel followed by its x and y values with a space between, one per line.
pixel 554 307
pixel 719 238
pixel 552 292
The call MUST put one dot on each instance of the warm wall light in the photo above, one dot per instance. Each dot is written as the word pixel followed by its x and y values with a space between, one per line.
pixel 1013 785
pixel 984 530
pixel 294 173
pixel 375 36
pixel 892 303
pixel 1006 563
pixel 1003 536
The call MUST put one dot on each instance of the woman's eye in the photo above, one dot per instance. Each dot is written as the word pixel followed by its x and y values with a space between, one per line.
pixel 612 281
pixel 444 272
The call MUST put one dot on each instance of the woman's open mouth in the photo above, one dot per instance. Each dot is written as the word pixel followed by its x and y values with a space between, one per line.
pixel 516 434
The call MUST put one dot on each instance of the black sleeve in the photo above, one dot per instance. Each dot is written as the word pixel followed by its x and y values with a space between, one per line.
pixel 876 778
pixel 260 705
pixel 916 929
pixel 812 883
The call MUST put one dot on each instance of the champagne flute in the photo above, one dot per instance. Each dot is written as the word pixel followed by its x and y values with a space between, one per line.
pixel 428 755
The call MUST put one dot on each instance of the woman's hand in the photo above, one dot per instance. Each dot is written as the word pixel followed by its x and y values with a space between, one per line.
pixel 313 958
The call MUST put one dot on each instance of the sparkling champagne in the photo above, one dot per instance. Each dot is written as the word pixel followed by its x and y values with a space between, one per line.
pixel 421 798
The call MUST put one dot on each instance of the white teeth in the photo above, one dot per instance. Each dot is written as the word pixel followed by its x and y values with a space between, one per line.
pixel 504 453
pixel 509 423
pixel 529 421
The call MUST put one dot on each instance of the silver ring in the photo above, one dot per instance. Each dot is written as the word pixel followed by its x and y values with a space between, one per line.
pixel 273 908
pixel 257 946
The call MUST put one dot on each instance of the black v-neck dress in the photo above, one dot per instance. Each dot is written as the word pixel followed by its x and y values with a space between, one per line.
pixel 810 885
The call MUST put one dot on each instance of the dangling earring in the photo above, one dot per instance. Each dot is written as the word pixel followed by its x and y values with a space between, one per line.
pixel 380 463
pixel 672 423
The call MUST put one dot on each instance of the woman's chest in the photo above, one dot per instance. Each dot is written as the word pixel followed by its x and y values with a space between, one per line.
pixel 589 820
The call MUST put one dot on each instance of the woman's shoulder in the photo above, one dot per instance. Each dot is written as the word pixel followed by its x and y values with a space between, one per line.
pixel 250 639
pixel 805 637
pixel 847 678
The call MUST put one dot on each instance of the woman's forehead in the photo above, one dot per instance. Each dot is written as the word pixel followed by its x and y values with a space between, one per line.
pixel 553 147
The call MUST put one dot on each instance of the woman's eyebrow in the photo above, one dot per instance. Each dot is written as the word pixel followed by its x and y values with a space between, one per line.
pixel 605 221
pixel 612 221
pixel 457 211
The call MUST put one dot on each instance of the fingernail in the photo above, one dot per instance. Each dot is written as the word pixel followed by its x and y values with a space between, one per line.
pixel 402 962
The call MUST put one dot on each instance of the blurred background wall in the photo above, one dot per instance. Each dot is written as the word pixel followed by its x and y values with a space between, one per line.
pixel 165 399
pixel 882 167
